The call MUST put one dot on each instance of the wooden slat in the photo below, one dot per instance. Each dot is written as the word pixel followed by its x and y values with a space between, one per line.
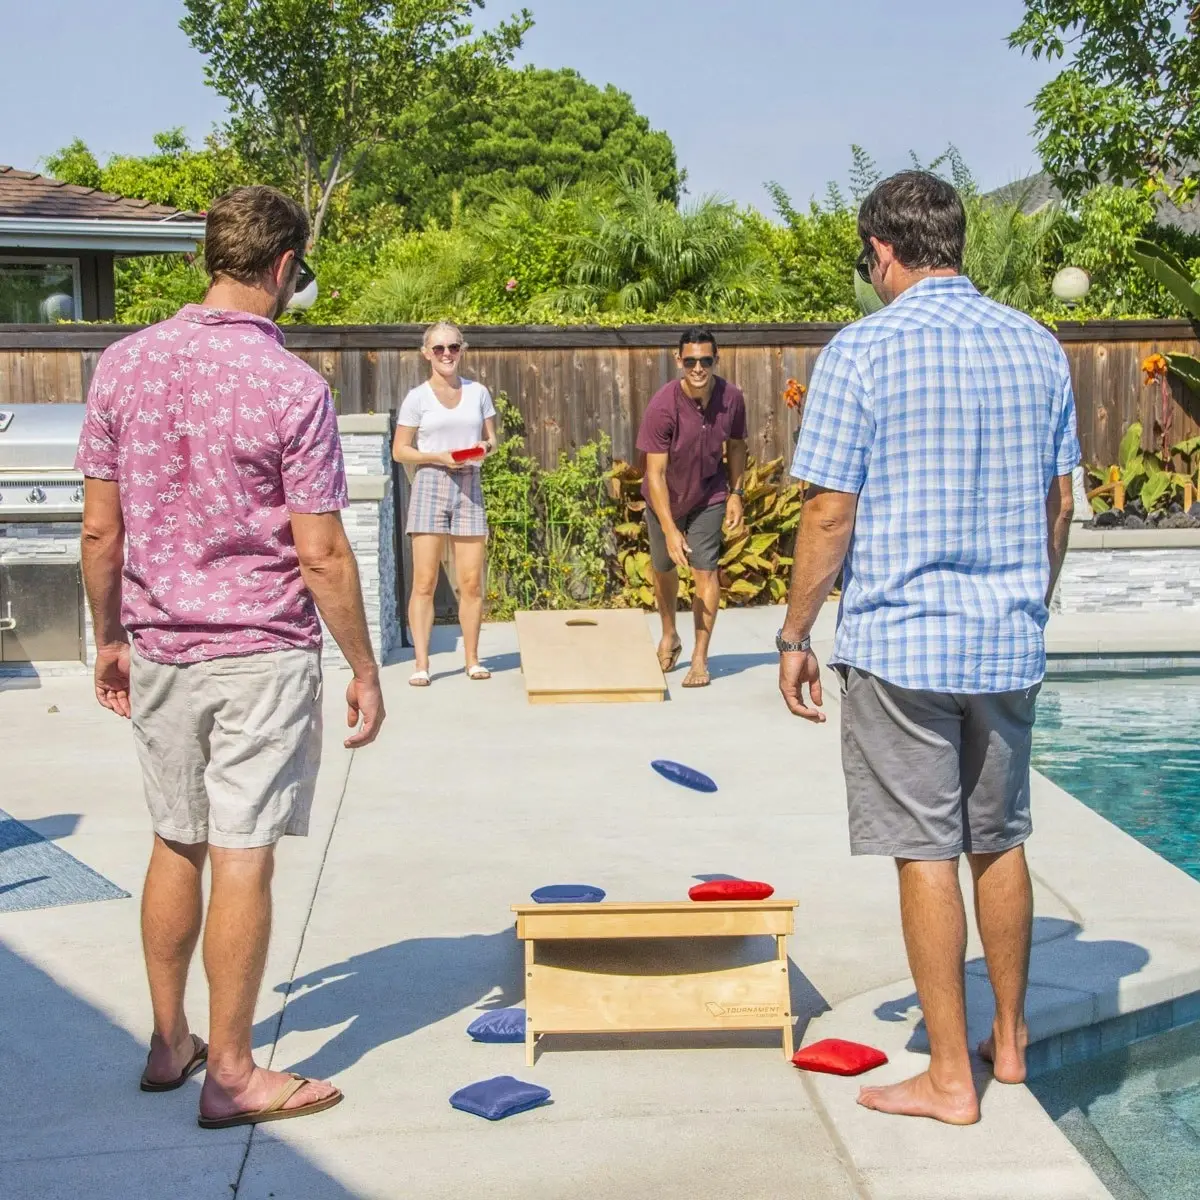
pixel 663 919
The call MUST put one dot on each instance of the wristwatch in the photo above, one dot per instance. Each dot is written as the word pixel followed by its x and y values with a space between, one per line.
pixel 738 492
pixel 792 647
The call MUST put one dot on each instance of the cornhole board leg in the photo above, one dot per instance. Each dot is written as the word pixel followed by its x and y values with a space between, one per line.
pixel 576 998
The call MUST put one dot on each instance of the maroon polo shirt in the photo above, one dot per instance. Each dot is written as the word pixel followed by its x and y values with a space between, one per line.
pixel 693 442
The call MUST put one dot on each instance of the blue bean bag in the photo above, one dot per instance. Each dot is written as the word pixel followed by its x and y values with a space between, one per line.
pixel 498 1098
pixel 687 776
pixel 499 1025
pixel 568 893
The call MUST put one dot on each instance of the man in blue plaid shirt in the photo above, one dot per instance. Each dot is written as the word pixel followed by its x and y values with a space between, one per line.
pixel 938 443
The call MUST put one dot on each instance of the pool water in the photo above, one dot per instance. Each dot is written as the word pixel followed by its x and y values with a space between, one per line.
pixel 1128 746
pixel 1135 1115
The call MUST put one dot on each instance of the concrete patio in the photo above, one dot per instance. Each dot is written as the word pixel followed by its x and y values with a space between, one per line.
pixel 393 930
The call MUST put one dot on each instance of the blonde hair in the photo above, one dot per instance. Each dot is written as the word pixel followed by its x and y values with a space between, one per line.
pixel 427 340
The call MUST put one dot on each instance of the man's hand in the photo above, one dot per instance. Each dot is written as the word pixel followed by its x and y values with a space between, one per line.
pixel 734 516
pixel 795 671
pixel 364 700
pixel 112 678
pixel 677 547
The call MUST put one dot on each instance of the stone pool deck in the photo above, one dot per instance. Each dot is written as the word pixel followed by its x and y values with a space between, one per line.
pixel 393 928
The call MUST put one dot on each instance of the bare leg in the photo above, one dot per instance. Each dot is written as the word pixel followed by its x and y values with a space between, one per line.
pixel 469 562
pixel 935 935
pixel 427 563
pixel 666 596
pixel 1004 910
pixel 235 952
pixel 706 600
pixel 171 917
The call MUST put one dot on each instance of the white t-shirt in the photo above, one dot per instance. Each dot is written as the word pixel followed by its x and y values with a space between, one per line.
pixel 440 428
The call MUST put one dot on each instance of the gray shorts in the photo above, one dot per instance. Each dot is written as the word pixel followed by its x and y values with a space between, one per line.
pixel 701 529
pixel 229 747
pixel 930 775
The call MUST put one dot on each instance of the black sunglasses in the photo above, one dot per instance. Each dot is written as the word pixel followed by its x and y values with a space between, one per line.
pixel 454 348
pixel 864 263
pixel 304 274
pixel 706 362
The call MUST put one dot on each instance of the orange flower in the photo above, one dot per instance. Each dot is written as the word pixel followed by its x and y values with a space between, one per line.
pixel 794 393
pixel 1155 367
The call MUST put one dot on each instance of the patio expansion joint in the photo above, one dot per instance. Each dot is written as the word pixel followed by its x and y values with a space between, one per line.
pixel 235 1187
pixel 845 1159
pixel 1072 911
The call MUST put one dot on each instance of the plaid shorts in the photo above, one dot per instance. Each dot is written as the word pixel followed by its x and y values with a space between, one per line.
pixel 447 502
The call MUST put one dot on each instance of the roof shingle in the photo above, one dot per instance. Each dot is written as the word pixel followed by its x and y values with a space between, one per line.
pixel 25 194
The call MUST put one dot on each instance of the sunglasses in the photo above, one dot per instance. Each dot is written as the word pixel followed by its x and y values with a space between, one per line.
pixel 453 348
pixel 304 274
pixel 865 261
pixel 706 362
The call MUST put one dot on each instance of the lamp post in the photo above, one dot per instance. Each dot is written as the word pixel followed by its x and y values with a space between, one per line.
pixel 1071 285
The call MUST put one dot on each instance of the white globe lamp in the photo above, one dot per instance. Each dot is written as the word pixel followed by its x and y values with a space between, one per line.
pixel 57 307
pixel 304 299
pixel 1071 284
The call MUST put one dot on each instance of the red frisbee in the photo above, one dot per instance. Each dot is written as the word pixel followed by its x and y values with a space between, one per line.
pixel 468 455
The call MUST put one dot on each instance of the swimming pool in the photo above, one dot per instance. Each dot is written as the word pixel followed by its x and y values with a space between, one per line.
pixel 1128 746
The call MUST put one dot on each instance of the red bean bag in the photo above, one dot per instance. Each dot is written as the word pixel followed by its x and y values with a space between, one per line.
pixel 835 1057
pixel 731 889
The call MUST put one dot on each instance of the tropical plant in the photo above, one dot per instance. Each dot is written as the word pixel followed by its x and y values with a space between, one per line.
pixel 1008 250
pixel 1144 476
pixel 1170 273
pixel 754 566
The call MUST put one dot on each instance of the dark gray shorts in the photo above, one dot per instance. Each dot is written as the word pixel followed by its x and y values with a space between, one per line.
pixel 701 530
pixel 930 775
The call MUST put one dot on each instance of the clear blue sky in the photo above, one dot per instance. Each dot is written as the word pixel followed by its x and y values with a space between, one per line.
pixel 749 90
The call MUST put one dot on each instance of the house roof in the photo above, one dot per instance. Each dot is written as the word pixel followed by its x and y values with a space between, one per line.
pixel 37 213
pixel 1037 191
pixel 24 194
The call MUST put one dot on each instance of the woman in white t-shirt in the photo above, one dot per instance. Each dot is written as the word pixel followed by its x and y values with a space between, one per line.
pixel 445 415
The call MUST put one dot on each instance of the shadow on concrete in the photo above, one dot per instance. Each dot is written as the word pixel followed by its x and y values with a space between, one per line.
pixel 60 825
pixel 722 665
pixel 72 1121
pixel 388 993
pixel 1096 967
pixel 19 683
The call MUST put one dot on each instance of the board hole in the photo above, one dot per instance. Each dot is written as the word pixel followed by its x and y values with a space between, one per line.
pixel 582 621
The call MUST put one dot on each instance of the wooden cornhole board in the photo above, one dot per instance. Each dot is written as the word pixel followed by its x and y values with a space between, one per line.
pixel 588 657
pixel 592 998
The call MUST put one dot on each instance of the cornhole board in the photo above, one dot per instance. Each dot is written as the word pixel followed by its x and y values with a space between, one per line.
pixel 588 997
pixel 589 657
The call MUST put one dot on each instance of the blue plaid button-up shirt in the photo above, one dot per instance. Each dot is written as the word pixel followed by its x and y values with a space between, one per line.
pixel 949 416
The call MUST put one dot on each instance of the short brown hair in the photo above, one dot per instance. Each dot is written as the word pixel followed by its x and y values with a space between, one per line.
pixel 248 228
pixel 920 216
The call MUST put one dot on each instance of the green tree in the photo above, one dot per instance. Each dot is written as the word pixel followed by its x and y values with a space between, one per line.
pixel 1127 108
pixel 539 130
pixel 74 164
pixel 313 86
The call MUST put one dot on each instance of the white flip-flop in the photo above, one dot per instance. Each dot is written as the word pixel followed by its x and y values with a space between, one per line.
pixel 478 671
pixel 419 679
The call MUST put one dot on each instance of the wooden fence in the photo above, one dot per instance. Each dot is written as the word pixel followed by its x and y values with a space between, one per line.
pixel 571 384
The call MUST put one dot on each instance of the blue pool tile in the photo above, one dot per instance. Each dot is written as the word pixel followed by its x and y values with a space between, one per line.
pixel 1080 1044
pixel 1186 1009
pixel 1156 1019
pixel 1118 1032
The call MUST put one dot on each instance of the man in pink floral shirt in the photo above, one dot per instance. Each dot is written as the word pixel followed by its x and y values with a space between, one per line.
pixel 212 536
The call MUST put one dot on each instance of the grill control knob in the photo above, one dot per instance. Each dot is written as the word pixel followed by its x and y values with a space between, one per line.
pixel 36 496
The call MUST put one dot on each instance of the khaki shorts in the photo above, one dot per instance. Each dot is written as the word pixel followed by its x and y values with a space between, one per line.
pixel 931 775
pixel 229 747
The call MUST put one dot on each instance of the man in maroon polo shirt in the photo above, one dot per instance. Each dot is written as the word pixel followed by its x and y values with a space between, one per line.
pixel 694 439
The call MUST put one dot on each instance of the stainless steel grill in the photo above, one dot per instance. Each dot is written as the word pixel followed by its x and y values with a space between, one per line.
pixel 38 480
pixel 41 507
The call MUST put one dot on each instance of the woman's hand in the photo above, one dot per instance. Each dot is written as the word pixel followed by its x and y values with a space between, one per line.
pixel 445 458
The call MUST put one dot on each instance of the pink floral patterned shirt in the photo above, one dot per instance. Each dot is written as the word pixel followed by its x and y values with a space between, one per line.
pixel 215 434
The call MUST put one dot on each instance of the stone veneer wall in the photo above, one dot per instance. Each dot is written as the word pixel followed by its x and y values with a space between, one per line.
pixel 369 522
pixel 1130 571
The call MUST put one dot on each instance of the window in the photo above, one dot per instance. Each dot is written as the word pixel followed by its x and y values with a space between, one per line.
pixel 39 291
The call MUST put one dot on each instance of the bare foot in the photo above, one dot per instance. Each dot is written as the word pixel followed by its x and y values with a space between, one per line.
pixel 697 675
pixel 166 1061
pixel 921 1097
pixel 259 1089
pixel 1008 1062
pixel 669 650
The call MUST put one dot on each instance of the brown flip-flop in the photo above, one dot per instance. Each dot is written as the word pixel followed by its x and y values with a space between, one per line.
pixel 275 1110
pixel 697 679
pixel 673 658
pixel 194 1064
